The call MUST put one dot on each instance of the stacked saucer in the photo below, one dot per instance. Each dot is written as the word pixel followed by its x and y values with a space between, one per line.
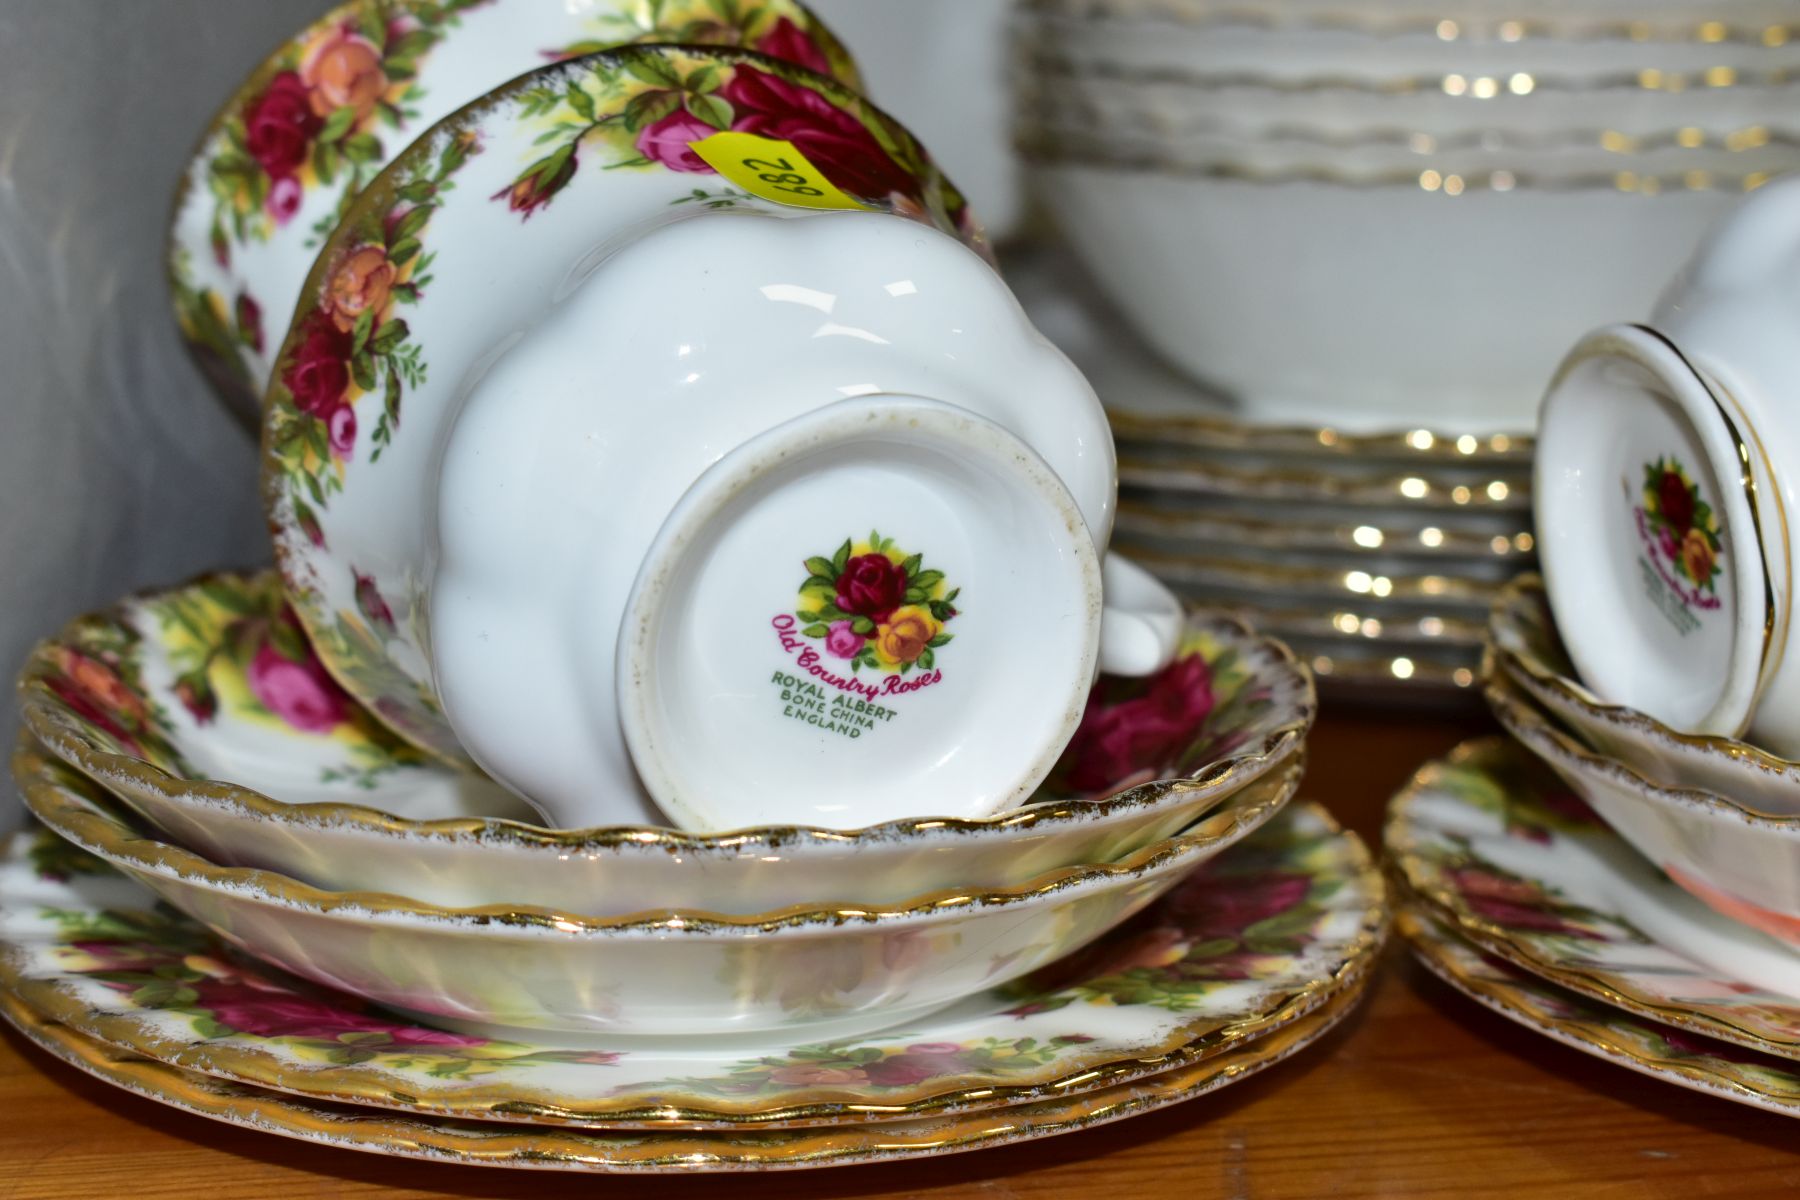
pixel 584 789
pixel 1515 892
pixel 628 999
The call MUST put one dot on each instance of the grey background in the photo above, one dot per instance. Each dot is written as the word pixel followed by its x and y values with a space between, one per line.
pixel 118 468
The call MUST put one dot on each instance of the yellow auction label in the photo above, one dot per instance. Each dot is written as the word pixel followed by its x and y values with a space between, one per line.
pixel 772 169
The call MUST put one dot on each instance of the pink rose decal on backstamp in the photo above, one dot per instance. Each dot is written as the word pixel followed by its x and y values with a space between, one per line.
pixel 843 641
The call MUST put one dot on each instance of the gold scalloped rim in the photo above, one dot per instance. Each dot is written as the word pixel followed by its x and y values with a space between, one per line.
pixel 1277 667
pixel 1443 588
pixel 1517 713
pixel 1412 878
pixel 1529 589
pixel 474 1143
pixel 1518 1004
pixel 1326 487
pixel 89 821
pixel 1322 441
pixel 1208 15
pixel 819 1105
pixel 1139 519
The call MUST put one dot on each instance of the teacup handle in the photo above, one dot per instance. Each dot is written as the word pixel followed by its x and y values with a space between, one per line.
pixel 1140 623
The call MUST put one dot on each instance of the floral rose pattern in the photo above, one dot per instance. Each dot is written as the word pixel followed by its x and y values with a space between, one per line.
pixel 876 606
pixel 1655 1047
pixel 158 675
pixel 1680 532
pixel 1232 943
pixel 649 112
pixel 325 111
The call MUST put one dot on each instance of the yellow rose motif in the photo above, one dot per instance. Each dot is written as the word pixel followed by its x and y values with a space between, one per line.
pixel 1697 556
pixel 905 635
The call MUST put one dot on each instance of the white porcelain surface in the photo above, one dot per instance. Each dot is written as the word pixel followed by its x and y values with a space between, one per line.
pixel 1688 618
pixel 495 532
pixel 1391 307
pixel 844 305
pixel 832 973
pixel 1743 865
pixel 737 714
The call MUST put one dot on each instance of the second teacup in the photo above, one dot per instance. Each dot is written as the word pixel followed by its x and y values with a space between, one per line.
pixel 1664 492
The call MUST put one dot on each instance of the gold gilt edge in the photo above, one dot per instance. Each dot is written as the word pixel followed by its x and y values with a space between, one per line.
pixel 1516 1004
pixel 1187 1043
pixel 625 1151
pixel 89 821
pixel 1326 443
pixel 75 746
pixel 1528 589
pixel 1410 877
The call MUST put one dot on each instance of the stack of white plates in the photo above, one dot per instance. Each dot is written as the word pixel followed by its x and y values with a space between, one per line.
pixel 1350 214
pixel 1376 556
pixel 1331 251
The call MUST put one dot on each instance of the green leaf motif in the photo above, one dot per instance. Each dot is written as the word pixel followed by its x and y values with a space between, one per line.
pixel 863 625
pixel 822 568
pixel 580 101
pixel 653 69
pixel 841 559
pixel 816 631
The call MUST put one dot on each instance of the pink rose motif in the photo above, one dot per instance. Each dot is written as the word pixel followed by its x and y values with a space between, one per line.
pixel 931 1047
pixel 300 693
pixel 284 199
pixel 666 142
pixel 843 641
pixel 1145 733
pixel 341 425
pixel 787 40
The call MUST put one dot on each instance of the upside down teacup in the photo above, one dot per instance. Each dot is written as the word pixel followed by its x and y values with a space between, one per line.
pixel 712 460
pixel 1665 490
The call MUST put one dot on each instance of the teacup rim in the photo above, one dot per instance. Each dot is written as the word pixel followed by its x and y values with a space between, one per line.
pixel 92 823
pixel 1531 584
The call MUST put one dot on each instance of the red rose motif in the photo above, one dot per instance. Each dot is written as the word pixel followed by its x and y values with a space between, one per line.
pixel 534 189
pixel 1147 732
pixel 833 140
pixel 1676 501
pixel 871 585
pixel 1225 906
pixel 908 1068
pixel 249 322
pixel 300 693
pixel 1512 903
pixel 666 142
pixel 787 40
pixel 279 126
pixel 370 602
pixel 261 1011
pixel 319 373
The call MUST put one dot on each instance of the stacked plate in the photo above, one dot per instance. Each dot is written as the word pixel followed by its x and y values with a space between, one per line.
pixel 1346 214
pixel 1639 891
pixel 1353 241
pixel 347 923
pixel 1375 556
